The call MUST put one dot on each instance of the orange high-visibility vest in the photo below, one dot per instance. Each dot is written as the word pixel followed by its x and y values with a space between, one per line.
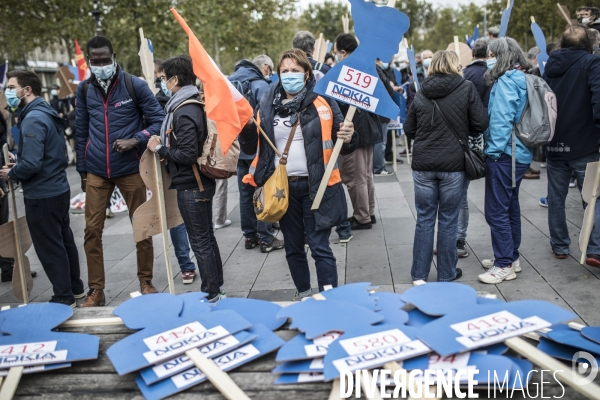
pixel 326 118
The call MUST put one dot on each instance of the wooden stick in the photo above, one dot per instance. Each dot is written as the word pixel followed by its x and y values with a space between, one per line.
pixel 532 20
pixel 576 326
pixel 318 49
pixel 391 3
pixel 332 162
pixel 565 16
pixel 367 382
pixel 588 218
pixel 219 378
pixel 80 323
pixel 163 221
pixel 507 4
pixel 17 229
pixel 559 369
pixel 457 47
pixel 266 137
pixel 10 385
pixel 336 388
pixel 394 161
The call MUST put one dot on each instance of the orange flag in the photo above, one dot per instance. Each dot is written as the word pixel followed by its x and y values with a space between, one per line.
pixel 224 104
pixel 81 64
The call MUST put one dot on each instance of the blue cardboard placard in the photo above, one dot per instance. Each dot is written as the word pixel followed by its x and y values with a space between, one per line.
pixel 418 318
pixel 540 42
pixel 413 66
pixel 256 311
pixel 166 369
pixel 301 348
pixel 468 325
pixel 505 19
pixel 266 342
pixel 390 306
pixel 565 335
pixel 300 367
pixel 290 379
pixel 561 351
pixel 356 293
pixel 471 40
pixel 318 317
pixel 29 338
pixel 194 303
pixel 354 80
pixel 368 347
pixel 591 333
pixel 166 334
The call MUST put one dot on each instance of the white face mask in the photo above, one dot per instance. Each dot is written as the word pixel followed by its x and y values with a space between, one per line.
pixel 586 21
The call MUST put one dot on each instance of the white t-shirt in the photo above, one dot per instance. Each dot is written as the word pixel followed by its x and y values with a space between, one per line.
pixel 296 161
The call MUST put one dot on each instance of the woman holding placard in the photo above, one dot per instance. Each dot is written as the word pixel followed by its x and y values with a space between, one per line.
pixel 301 127
pixel 507 65
pixel 443 114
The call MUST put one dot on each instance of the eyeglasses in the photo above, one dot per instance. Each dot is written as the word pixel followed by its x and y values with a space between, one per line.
pixel 12 87
pixel 101 63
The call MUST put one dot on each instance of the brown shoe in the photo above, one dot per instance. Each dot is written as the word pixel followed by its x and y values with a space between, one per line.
pixel 529 175
pixel 533 171
pixel 95 298
pixel 147 288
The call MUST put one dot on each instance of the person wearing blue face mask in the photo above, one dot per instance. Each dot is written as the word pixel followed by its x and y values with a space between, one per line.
pixel 426 56
pixel 116 113
pixel 42 173
pixel 292 112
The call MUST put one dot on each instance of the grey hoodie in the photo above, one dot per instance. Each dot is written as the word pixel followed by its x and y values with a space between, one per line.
pixel 42 161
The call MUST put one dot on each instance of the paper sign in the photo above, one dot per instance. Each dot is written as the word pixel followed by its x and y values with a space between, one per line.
pixel 395 125
pixel 197 340
pixel 317 363
pixel 173 336
pixel 374 341
pixel 320 344
pixel 224 362
pixel 50 357
pixel 358 80
pixel 455 361
pixel 379 357
pixel 351 96
pixel 26 348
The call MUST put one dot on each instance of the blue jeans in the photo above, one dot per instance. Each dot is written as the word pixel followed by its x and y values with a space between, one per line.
pixel 298 221
pixel 251 227
pixel 502 208
pixel 379 151
pixel 182 248
pixel 559 174
pixel 344 230
pixel 463 215
pixel 437 196
pixel 196 209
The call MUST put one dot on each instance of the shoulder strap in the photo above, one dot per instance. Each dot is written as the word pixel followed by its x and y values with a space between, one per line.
pixel 177 108
pixel 462 144
pixel 131 90
pixel 284 155
pixel 86 86
pixel 318 66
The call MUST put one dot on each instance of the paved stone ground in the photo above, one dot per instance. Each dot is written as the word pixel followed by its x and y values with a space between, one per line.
pixel 382 255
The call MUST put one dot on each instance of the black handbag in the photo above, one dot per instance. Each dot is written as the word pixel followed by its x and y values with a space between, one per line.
pixel 474 161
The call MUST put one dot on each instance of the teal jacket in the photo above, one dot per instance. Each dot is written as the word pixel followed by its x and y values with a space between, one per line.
pixel 507 102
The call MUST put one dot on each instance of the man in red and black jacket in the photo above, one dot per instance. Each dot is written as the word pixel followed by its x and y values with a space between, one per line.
pixel 116 114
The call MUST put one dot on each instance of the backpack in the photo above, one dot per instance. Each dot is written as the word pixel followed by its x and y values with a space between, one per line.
pixel 213 164
pixel 538 121
pixel 245 88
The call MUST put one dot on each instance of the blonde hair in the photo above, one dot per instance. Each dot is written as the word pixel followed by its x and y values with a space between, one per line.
pixel 445 62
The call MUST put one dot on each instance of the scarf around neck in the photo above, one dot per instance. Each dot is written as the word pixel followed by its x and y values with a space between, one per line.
pixel 292 107
pixel 176 99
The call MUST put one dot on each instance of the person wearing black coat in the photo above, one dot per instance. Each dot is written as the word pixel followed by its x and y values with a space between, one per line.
pixel 446 106
pixel 181 148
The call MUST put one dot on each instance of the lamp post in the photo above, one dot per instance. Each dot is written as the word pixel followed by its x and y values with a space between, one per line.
pixel 96 13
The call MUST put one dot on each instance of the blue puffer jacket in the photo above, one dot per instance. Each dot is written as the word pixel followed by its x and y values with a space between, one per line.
pixel 507 102
pixel 101 120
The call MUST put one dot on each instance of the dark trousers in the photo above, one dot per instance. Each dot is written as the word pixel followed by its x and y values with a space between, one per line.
pixel 298 221
pixel 251 227
pixel 49 226
pixel 502 209
pixel 196 210
pixel 6 264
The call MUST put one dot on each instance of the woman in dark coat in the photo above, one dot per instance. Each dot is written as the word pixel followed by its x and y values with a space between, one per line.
pixel 320 124
pixel 446 106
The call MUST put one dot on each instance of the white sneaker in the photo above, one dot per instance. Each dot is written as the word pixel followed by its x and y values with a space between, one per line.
pixel 419 282
pixel 385 172
pixel 489 263
pixel 496 275
pixel 572 184
pixel 223 225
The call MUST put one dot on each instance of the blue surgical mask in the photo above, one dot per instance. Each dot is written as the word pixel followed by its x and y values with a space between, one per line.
pixel 427 62
pixel 163 86
pixel 490 62
pixel 385 65
pixel 292 82
pixel 11 98
pixel 105 72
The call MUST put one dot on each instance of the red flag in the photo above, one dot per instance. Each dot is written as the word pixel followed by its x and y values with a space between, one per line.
pixel 224 104
pixel 81 64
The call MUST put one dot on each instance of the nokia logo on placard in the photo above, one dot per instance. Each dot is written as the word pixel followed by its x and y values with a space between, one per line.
pixel 27 358
pixel 169 365
pixel 194 339
pixel 496 331
pixel 119 104
pixel 367 357
pixel 351 95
